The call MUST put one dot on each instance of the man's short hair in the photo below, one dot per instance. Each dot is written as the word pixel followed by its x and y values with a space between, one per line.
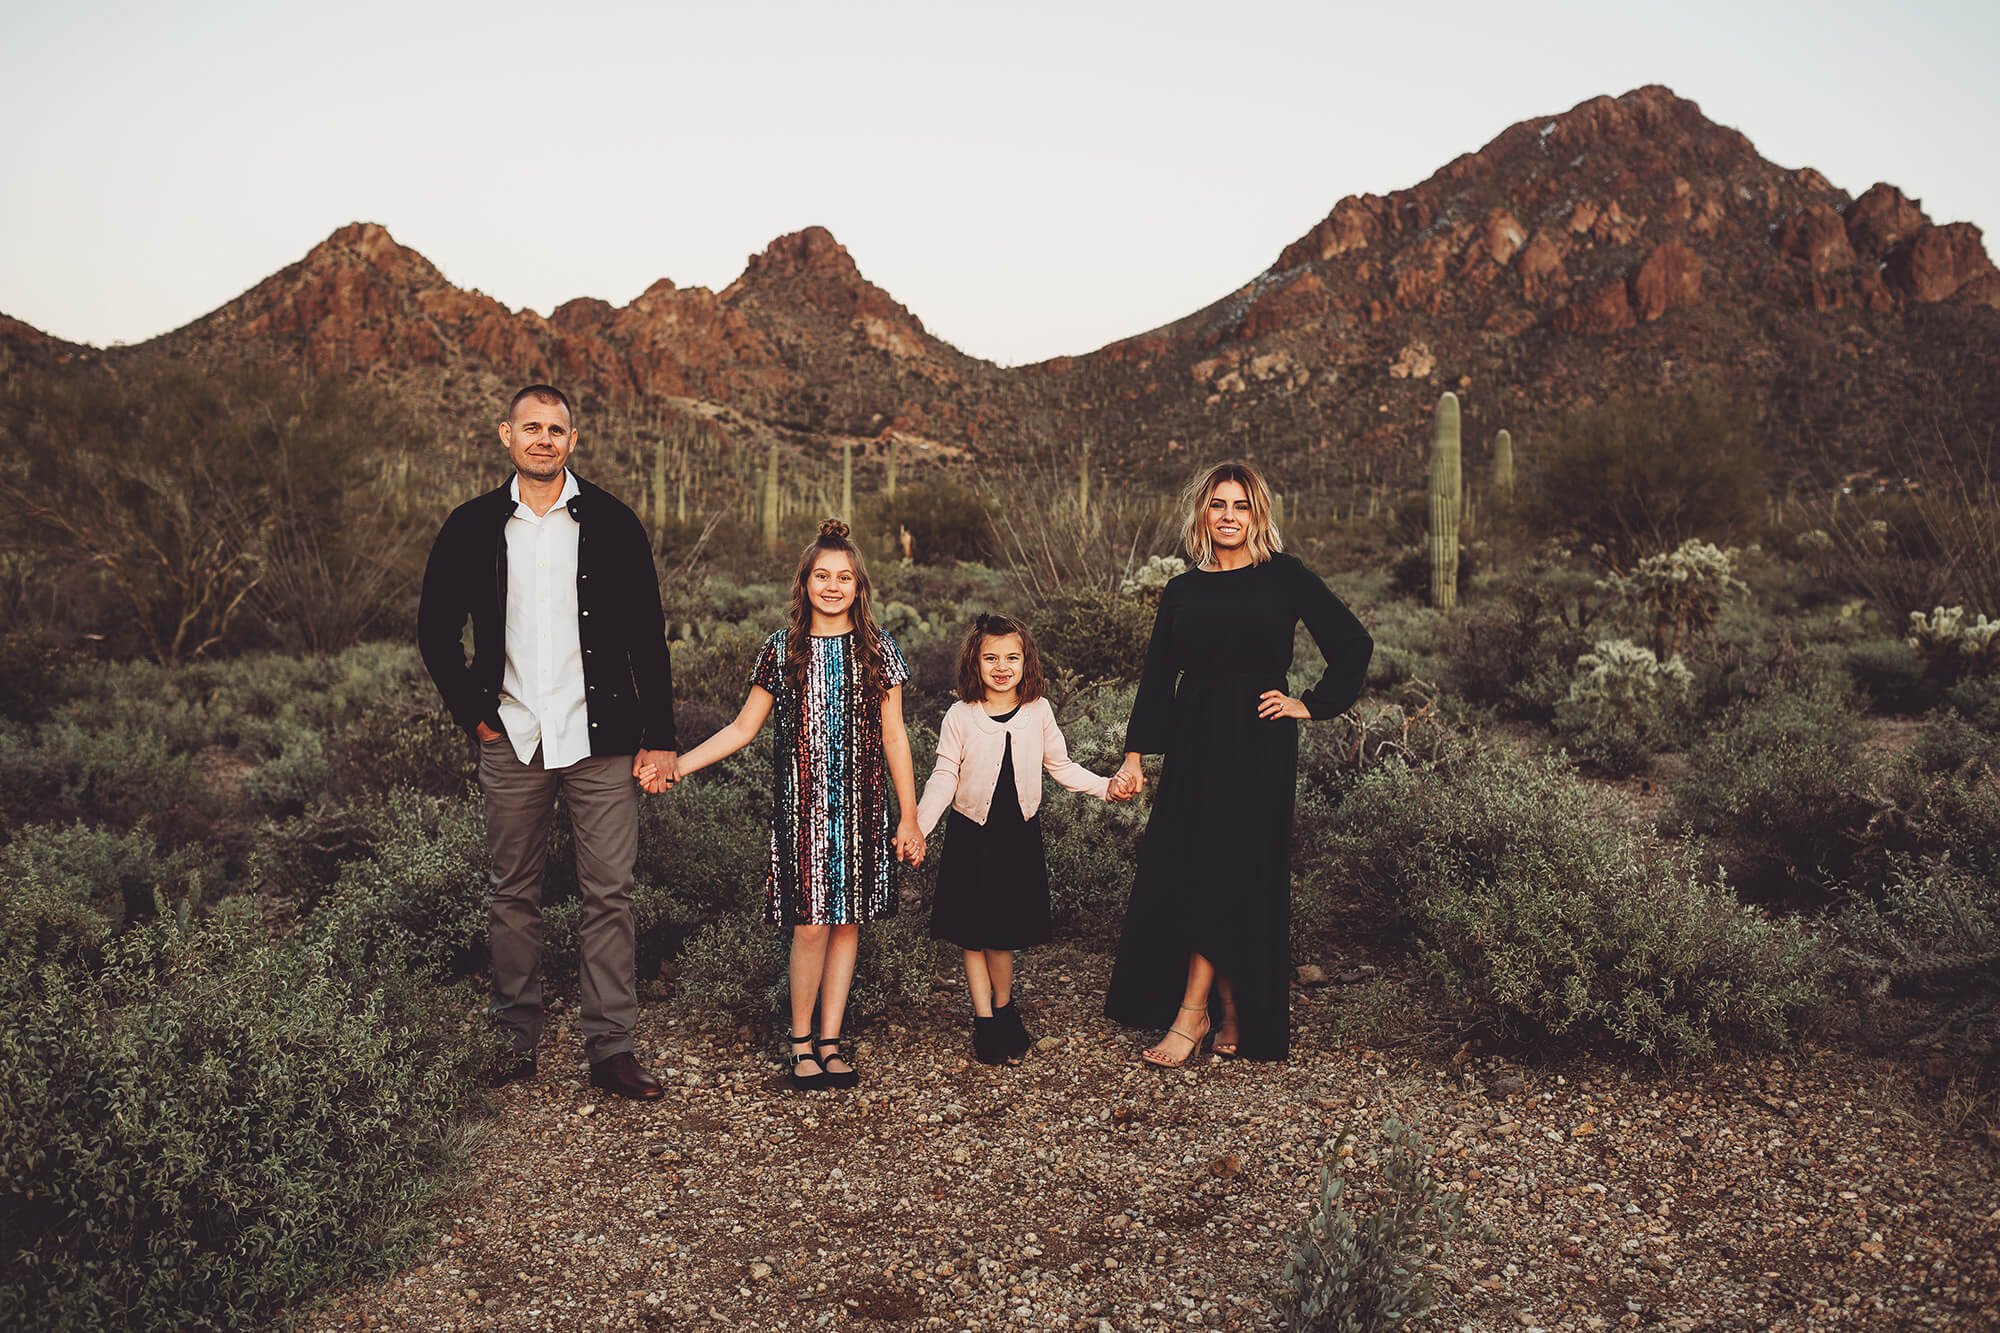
pixel 543 393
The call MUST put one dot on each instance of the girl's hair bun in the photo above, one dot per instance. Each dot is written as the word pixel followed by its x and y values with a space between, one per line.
pixel 833 527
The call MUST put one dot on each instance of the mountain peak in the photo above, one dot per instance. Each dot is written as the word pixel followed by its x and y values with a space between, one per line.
pixel 812 252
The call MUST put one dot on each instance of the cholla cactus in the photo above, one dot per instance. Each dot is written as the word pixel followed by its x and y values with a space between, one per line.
pixel 1621 703
pixel 1681 591
pixel 1948 644
pixel 1151 578
pixel 1623 683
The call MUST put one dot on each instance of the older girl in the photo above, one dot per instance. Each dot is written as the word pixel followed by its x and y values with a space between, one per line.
pixel 835 683
pixel 1206 943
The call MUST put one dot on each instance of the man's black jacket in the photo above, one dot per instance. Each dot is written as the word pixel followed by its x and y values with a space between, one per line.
pixel 628 683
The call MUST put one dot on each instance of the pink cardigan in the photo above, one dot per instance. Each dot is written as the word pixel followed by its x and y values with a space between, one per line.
pixel 970 747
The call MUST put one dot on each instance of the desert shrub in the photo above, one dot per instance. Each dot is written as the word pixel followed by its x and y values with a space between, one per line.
pixel 244 1122
pixel 1377 1274
pixel 1410 576
pixel 1093 635
pixel 737 964
pixel 733 963
pixel 716 667
pixel 68 887
pixel 66 768
pixel 1777 782
pixel 33 674
pixel 1645 473
pixel 1550 919
pixel 1622 704
pixel 270 539
pixel 1409 643
pixel 1888 673
pixel 422 886
pixel 1935 936
pixel 1931 538
pixel 1519 651
pixel 1977 699
pixel 415 745
pixel 1092 850
pixel 947 523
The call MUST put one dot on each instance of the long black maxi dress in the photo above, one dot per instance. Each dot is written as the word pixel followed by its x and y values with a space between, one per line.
pixel 1215 864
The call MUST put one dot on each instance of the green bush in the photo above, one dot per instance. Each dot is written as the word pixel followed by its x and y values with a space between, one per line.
pixel 1977 699
pixel 947 523
pixel 1644 473
pixel 1778 783
pixel 33 675
pixel 213 1126
pixel 1091 635
pixel 1519 652
pixel 1888 673
pixel 1379 1274
pixel 421 889
pixel 1550 919
pixel 68 887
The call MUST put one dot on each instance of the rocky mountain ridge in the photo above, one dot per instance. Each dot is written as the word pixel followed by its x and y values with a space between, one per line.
pixel 1627 243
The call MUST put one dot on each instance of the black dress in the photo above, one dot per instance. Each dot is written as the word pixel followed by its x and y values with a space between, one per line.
pixel 1215 864
pixel 993 886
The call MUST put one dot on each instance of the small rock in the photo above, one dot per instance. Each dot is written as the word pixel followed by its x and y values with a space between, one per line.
pixel 1228 1166
pixel 1310 974
pixel 587 1110
pixel 760 1270
pixel 1047 1044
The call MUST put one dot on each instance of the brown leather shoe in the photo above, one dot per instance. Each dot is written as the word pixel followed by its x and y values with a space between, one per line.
pixel 511 1069
pixel 624 1075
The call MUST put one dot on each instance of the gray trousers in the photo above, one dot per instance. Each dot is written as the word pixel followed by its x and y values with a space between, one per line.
pixel 603 799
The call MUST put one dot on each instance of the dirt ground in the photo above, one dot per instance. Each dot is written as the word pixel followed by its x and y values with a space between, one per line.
pixel 1082 1190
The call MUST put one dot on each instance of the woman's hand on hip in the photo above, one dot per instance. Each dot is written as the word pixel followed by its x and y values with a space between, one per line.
pixel 1276 703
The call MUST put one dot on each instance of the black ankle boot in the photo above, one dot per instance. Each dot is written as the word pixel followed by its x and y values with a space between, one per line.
pixel 988 1040
pixel 1014 1038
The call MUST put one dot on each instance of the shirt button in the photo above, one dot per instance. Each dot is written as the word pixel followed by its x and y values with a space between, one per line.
pixel 586 613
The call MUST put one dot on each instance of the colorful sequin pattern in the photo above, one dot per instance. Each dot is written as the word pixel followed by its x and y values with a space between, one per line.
pixel 832 841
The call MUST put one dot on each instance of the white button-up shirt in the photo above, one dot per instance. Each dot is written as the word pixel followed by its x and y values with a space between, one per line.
pixel 541 688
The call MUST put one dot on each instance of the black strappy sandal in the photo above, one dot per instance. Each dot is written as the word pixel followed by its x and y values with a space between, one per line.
pixel 804 1082
pixel 850 1079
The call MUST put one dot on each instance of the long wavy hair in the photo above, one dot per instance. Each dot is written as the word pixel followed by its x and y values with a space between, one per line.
pixel 867 638
pixel 1263 540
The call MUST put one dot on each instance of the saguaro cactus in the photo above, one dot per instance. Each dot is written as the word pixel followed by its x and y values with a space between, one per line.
pixel 889 481
pixel 1444 503
pixel 1503 468
pixel 847 482
pixel 659 487
pixel 1083 485
pixel 771 500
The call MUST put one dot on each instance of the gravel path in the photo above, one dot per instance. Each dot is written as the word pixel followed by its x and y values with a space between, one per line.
pixel 1085 1191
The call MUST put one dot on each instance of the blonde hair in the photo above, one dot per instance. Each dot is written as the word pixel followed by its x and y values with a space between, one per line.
pixel 1263 540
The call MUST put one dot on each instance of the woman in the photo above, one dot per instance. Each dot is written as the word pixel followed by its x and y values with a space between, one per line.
pixel 1208 928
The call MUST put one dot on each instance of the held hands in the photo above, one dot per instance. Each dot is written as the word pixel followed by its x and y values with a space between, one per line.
pixel 1276 704
pixel 909 842
pixel 1125 783
pixel 656 770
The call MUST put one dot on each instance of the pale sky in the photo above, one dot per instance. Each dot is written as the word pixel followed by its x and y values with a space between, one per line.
pixel 1029 179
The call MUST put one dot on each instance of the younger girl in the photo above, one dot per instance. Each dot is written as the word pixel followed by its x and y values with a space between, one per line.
pixel 835 683
pixel 993 888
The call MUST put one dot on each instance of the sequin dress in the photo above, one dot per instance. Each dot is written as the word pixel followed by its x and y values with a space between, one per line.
pixel 832 839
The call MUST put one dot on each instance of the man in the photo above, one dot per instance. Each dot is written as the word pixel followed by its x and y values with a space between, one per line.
pixel 568 690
